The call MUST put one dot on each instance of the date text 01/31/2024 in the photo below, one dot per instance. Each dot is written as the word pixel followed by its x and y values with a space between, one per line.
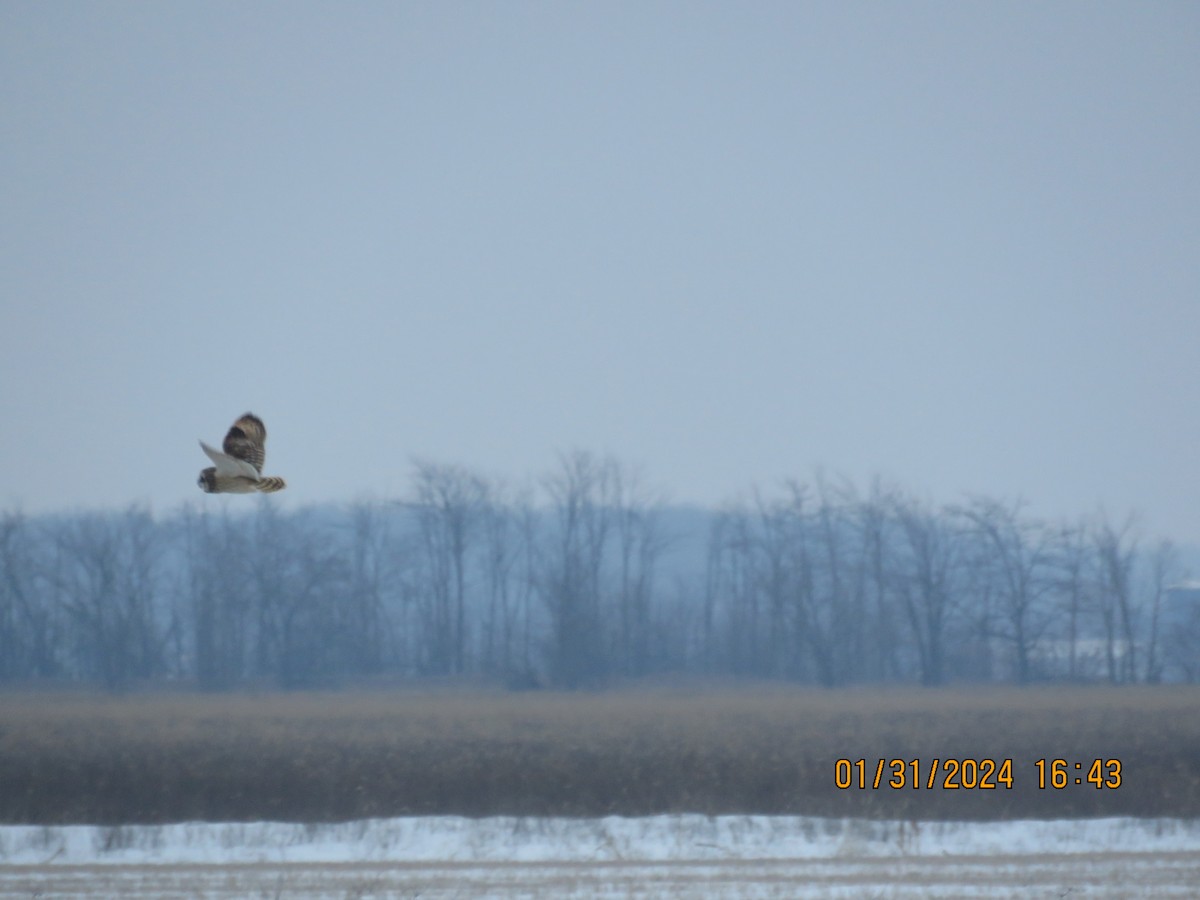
pixel 971 774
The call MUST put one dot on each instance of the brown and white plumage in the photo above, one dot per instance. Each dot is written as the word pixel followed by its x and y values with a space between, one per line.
pixel 239 469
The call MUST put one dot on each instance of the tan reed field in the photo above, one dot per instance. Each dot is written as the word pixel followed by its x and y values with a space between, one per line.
pixel 93 758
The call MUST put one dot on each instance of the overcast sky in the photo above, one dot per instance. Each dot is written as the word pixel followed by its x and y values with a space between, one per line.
pixel 952 244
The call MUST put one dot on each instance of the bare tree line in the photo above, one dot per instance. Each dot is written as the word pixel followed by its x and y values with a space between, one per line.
pixel 586 578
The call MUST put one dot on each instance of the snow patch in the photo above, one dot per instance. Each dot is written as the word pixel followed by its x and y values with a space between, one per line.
pixel 525 839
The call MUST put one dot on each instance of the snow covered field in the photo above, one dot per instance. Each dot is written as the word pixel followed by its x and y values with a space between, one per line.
pixel 661 856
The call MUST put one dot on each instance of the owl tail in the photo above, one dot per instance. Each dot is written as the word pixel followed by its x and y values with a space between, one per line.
pixel 270 484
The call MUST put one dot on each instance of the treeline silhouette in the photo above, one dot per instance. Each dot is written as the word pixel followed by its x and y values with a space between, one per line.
pixel 585 579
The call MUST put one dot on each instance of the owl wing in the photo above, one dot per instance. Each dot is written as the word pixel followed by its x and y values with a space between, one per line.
pixel 245 441
pixel 228 465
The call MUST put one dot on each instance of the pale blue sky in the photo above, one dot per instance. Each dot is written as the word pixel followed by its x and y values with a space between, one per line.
pixel 955 244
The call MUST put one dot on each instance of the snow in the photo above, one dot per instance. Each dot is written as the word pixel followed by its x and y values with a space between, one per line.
pixel 670 838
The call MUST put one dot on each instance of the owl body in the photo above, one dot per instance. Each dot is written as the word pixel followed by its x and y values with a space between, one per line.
pixel 212 483
pixel 238 470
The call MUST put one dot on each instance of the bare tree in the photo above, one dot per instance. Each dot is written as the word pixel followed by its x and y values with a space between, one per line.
pixel 319 631
pixel 1164 569
pixel 733 602
pixel 301 578
pixel 640 542
pixel 783 573
pixel 30 633
pixel 794 575
pixel 571 580
pixel 1115 549
pixel 1181 630
pixel 449 505
pixel 814 583
pixel 530 625
pixel 802 579
pixel 837 613
pixel 928 567
pixel 371 558
pixel 1014 556
pixel 879 541
pixel 217 563
pixel 509 534
pixel 1072 582
pixel 104 574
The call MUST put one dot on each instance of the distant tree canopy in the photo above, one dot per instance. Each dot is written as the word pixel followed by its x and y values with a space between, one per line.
pixel 587 578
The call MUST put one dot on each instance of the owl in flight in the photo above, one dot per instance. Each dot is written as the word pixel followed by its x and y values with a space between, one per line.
pixel 239 469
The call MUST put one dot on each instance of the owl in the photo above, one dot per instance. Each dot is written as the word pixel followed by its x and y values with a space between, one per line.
pixel 239 469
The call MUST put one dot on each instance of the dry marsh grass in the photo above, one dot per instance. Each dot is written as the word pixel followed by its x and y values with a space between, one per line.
pixel 74 758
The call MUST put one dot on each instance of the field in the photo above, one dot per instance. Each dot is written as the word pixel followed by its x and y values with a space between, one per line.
pixel 160 758
pixel 735 857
